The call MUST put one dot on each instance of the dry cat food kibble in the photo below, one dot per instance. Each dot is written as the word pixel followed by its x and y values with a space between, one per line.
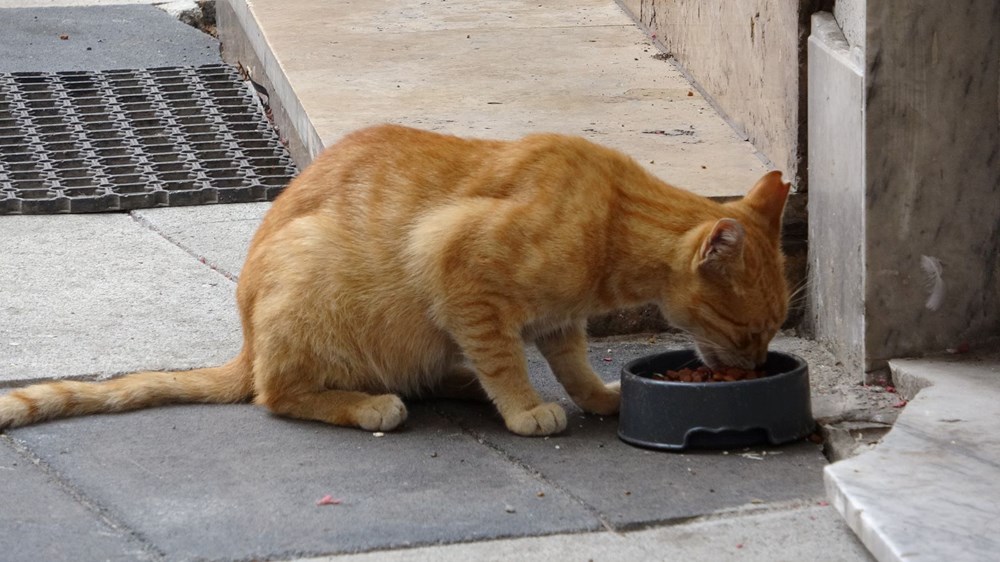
pixel 705 374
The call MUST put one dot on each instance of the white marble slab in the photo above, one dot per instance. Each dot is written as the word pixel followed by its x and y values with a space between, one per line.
pixel 930 490
pixel 836 194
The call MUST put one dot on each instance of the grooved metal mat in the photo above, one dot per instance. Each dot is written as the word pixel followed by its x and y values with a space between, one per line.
pixel 79 142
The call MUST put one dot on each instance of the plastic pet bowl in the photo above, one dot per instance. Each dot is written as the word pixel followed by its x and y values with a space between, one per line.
pixel 671 415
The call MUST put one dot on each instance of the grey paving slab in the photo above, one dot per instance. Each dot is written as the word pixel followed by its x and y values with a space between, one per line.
pixel 40 520
pixel 792 533
pixel 810 531
pixel 86 295
pixel 220 233
pixel 57 3
pixel 631 487
pixel 98 38
pixel 233 482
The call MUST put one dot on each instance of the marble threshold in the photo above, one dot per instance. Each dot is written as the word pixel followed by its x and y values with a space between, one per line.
pixel 929 490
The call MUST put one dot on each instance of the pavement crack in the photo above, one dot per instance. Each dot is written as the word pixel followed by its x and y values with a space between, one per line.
pixel 734 513
pixel 146 223
pixel 149 550
pixel 531 471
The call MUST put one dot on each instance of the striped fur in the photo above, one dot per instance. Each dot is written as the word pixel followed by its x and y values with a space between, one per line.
pixel 404 263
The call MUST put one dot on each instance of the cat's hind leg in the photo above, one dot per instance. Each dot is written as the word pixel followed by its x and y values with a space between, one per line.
pixel 566 352
pixel 383 412
pixel 305 397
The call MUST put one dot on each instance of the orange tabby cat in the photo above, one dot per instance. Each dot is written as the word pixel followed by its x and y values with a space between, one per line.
pixel 408 263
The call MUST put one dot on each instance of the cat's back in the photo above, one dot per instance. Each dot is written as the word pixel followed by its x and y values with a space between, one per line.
pixel 382 165
pixel 385 165
pixel 389 202
pixel 375 183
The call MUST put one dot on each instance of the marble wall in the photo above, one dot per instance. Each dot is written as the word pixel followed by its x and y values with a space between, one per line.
pixel 932 174
pixel 836 194
pixel 905 179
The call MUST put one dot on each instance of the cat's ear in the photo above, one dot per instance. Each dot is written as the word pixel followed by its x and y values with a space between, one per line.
pixel 722 245
pixel 767 197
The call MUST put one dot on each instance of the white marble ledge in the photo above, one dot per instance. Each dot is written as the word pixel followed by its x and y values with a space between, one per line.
pixel 931 489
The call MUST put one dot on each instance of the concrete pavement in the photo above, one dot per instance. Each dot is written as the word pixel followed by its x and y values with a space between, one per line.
pixel 88 297
pixel 479 69
pixel 791 532
pixel 51 37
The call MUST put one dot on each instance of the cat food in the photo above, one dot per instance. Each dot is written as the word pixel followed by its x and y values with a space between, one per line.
pixel 705 374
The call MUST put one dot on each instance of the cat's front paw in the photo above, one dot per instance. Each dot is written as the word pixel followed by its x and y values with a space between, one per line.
pixel 604 401
pixel 381 413
pixel 545 419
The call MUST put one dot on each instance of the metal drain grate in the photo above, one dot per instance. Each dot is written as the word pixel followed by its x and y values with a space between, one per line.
pixel 80 142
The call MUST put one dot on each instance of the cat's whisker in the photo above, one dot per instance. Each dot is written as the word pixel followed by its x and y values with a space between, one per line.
pixel 799 295
pixel 697 340
pixel 689 363
pixel 799 290
pixel 687 333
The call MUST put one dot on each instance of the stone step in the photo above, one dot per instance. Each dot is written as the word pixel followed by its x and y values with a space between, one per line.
pixel 928 490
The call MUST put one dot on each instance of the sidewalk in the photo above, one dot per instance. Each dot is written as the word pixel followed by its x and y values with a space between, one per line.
pixel 91 296
pixel 476 68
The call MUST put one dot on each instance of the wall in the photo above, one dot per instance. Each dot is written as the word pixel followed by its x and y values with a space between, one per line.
pixel 932 174
pixel 904 152
pixel 745 55
pixel 836 289
pixel 850 16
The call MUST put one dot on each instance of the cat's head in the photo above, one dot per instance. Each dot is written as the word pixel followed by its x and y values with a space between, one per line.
pixel 734 297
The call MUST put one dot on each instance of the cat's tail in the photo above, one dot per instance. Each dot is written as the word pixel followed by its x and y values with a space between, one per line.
pixel 231 382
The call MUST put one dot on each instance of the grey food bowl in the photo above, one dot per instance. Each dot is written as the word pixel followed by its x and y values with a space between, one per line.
pixel 671 415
